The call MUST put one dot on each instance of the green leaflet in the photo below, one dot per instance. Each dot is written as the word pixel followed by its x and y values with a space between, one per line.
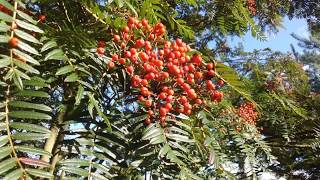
pixel 28 26
pixel 26 36
pixel 4 152
pixel 4 38
pixel 27 105
pixel 13 175
pixel 29 115
pixel 65 70
pixel 5 17
pixel 3 140
pixel 48 45
pixel 6 165
pixel 30 127
pixel 32 93
pixel 39 173
pixel 25 66
pixel 72 78
pixel 32 150
pixel 25 57
pixel 56 54
pixel 28 48
pixel 26 17
pixel 75 170
pixel 30 136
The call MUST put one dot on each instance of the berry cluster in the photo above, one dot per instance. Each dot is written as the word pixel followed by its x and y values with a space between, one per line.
pixel 247 113
pixel 252 6
pixel 167 78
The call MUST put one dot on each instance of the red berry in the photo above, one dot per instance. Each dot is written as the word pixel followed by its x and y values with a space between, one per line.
pixel 163 111
pixel 150 113
pixel 183 99
pixel 100 50
pixel 111 65
pixel 198 101
pixel 122 61
pixel 147 122
pixel 197 59
pixel 144 22
pixel 179 42
pixel 126 29
pixel 210 66
pixel 127 54
pixel 168 106
pixel 131 20
pixel 162 95
pixel 114 57
pixel 13 42
pixel 170 92
pixel 144 57
pixel 130 69
pixel 116 38
pixel 198 75
pixel 144 82
pixel 42 18
pixel 211 73
pixel 133 51
pixel 220 82
pixel 169 99
pixel 148 103
pixel 180 81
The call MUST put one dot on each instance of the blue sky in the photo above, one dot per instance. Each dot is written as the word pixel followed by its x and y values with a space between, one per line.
pixel 277 42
